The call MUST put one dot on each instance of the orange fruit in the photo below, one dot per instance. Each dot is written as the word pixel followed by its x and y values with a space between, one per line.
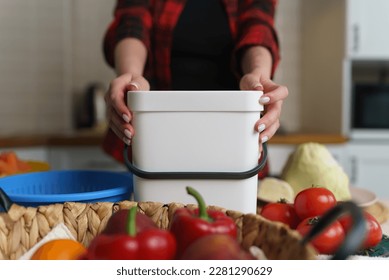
pixel 59 249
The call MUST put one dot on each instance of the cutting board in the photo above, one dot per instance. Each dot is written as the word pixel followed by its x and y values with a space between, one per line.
pixel 379 211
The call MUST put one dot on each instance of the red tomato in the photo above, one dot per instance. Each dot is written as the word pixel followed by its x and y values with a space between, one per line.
pixel 329 240
pixel 314 201
pixel 374 230
pixel 281 212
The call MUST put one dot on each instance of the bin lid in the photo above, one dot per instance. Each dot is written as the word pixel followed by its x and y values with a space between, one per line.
pixel 204 101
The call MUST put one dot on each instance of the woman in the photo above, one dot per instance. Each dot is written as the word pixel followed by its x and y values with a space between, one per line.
pixel 192 45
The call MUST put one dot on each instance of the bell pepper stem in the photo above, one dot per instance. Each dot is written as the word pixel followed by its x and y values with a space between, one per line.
pixel 201 203
pixel 131 222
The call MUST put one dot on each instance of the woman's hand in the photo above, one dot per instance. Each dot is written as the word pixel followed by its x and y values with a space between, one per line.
pixel 272 99
pixel 118 113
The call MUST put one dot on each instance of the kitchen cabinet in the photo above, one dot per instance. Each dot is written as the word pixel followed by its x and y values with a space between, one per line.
pixel 82 158
pixel 29 153
pixel 68 151
pixel 369 166
pixel 69 157
pixel 277 156
pixel 343 42
pixel 367 22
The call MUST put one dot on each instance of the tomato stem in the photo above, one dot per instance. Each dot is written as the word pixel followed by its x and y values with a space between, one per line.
pixel 313 220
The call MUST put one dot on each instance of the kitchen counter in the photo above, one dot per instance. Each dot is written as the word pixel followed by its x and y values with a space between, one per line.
pixel 83 138
pixel 299 138
pixel 94 138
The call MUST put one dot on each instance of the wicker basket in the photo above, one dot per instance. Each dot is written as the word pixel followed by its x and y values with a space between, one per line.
pixel 22 227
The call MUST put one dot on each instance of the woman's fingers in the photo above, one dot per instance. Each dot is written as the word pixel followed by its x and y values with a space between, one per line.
pixel 268 124
pixel 115 97
pixel 119 113
pixel 273 98
pixel 122 129
pixel 273 92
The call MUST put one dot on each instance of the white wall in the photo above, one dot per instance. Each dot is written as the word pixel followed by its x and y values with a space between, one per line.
pixel 50 50
pixel 32 65
pixel 288 23
pixel 89 26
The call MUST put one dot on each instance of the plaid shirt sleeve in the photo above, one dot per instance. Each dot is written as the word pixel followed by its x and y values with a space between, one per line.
pixel 255 26
pixel 132 18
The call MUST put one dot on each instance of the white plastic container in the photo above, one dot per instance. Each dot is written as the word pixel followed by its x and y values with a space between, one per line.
pixel 203 139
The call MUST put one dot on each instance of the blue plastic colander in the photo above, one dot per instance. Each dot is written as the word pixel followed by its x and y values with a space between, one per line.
pixel 48 187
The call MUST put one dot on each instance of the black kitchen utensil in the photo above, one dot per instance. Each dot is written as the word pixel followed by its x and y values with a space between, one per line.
pixel 355 236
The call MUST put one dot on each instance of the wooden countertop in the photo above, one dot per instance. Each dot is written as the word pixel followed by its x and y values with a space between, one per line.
pixel 303 138
pixel 74 139
pixel 94 138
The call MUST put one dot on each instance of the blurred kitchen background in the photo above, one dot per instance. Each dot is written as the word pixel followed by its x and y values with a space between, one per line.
pixel 52 70
pixel 50 53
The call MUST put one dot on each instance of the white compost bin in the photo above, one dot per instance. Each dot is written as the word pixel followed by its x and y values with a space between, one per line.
pixel 202 139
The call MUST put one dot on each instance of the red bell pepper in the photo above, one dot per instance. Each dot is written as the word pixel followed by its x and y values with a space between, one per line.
pixel 187 225
pixel 150 244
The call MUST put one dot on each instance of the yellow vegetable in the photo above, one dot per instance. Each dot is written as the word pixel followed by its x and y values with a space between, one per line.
pixel 273 189
pixel 313 164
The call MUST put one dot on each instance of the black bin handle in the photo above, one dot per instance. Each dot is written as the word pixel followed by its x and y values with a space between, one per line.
pixel 196 175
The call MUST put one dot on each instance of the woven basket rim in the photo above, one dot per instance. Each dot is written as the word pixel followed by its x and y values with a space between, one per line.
pixel 22 227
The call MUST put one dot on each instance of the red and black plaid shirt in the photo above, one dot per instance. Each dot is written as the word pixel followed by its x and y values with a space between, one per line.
pixel 251 23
